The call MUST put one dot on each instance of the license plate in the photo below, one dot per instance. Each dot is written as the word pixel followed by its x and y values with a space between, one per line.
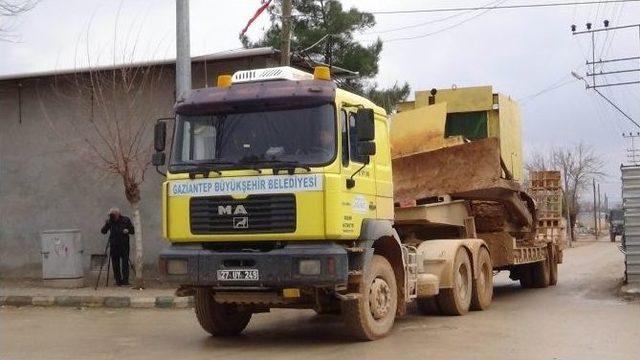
pixel 238 275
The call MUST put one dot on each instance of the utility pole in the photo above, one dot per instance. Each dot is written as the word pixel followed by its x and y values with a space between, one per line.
pixel 285 48
pixel 628 64
pixel 599 210
pixel 183 53
pixel 569 228
pixel 568 200
pixel 632 153
pixel 595 219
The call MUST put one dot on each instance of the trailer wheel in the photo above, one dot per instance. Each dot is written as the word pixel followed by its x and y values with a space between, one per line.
pixel 428 306
pixel 482 293
pixel 456 301
pixel 524 274
pixel 219 319
pixel 553 265
pixel 541 273
pixel 372 315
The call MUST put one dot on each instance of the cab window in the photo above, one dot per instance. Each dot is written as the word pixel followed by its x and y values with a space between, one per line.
pixel 344 128
pixel 353 140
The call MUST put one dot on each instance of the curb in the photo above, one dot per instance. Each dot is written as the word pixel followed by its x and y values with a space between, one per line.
pixel 630 292
pixel 115 302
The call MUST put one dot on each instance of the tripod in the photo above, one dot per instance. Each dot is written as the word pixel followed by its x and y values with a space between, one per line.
pixel 107 255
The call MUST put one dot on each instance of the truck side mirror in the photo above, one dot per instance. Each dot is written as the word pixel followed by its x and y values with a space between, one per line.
pixel 366 148
pixel 158 159
pixel 159 136
pixel 365 126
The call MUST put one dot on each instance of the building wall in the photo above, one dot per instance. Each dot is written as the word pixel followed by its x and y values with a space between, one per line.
pixel 46 183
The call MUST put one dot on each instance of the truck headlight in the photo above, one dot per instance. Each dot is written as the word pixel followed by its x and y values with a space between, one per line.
pixel 177 267
pixel 309 267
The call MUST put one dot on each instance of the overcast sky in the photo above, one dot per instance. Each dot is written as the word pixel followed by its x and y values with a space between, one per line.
pixel 520 52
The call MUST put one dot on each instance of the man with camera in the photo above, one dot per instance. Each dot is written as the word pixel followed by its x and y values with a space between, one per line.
pixel 119 228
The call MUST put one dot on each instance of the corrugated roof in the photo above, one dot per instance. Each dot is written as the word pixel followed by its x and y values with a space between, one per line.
pixel 222 55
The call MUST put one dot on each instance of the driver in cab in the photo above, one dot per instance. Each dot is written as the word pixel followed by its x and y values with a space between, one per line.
pixel 319 149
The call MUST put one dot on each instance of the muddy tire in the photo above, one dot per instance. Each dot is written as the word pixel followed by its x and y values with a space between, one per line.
pixel 482 293
pixel 428 306
pixel 456 301
pixel 219 319
pixel 541 273
pixel 553 265
pixel 525 276
pixel 372 315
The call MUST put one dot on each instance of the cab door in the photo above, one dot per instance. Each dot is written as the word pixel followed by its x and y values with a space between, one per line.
pixel 358 183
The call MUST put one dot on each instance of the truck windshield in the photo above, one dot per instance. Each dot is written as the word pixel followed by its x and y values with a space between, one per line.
pixel 305 136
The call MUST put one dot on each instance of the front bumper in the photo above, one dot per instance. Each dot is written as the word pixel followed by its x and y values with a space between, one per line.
pixel 277 268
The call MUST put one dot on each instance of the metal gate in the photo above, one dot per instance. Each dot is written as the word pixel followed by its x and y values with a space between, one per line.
pixel 631 207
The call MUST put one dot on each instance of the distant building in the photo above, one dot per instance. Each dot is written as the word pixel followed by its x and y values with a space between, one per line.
pixel 46 185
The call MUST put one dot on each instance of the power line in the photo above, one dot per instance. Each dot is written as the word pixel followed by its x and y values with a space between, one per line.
pixel 434 21
pixel 499 7
pixel 443 29
pixel 552 87
pixel 617 108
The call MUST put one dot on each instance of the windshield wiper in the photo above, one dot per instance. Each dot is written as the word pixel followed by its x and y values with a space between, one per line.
pixel 203 167
pixel 289 165
pixel 275 164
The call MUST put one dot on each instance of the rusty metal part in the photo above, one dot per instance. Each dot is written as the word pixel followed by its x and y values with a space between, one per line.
pixel 501 247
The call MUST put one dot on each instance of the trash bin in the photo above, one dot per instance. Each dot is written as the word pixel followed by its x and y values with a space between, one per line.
pixel 62 258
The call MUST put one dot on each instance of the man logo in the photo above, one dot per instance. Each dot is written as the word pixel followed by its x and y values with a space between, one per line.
pixel 241 222
pixel 230 210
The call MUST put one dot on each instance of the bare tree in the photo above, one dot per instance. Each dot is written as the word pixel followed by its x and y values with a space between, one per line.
pixel 539 161
pixel 578 164
pixel 115 109
pixel 10 9
pixel 113 106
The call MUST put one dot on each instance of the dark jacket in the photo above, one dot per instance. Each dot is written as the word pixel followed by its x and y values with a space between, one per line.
pixel 116 228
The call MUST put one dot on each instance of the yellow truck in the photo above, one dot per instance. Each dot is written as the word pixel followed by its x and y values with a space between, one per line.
pixel 285 191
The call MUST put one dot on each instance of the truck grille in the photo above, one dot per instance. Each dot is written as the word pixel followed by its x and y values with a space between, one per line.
pixel 255 214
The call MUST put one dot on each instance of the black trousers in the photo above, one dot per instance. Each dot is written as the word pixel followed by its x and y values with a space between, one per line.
pixel 120 262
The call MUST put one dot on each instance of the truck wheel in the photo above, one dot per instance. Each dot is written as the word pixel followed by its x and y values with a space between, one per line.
pixel 483 284
pixel 456 301
pixel 372 315
pixel 219 319
pixel 553 266
pixel 428 306
pixel 541 273
pixel 524 273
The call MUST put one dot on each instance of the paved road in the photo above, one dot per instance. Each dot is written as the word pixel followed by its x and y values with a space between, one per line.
pixel 581 318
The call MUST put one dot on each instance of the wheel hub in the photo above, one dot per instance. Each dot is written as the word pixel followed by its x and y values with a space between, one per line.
pixel 379 298
pixel 462 281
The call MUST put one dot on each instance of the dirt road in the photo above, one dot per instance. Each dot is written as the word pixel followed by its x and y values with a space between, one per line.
pixel 581 318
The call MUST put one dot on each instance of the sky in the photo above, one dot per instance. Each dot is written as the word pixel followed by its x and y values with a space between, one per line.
pixel 527 54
